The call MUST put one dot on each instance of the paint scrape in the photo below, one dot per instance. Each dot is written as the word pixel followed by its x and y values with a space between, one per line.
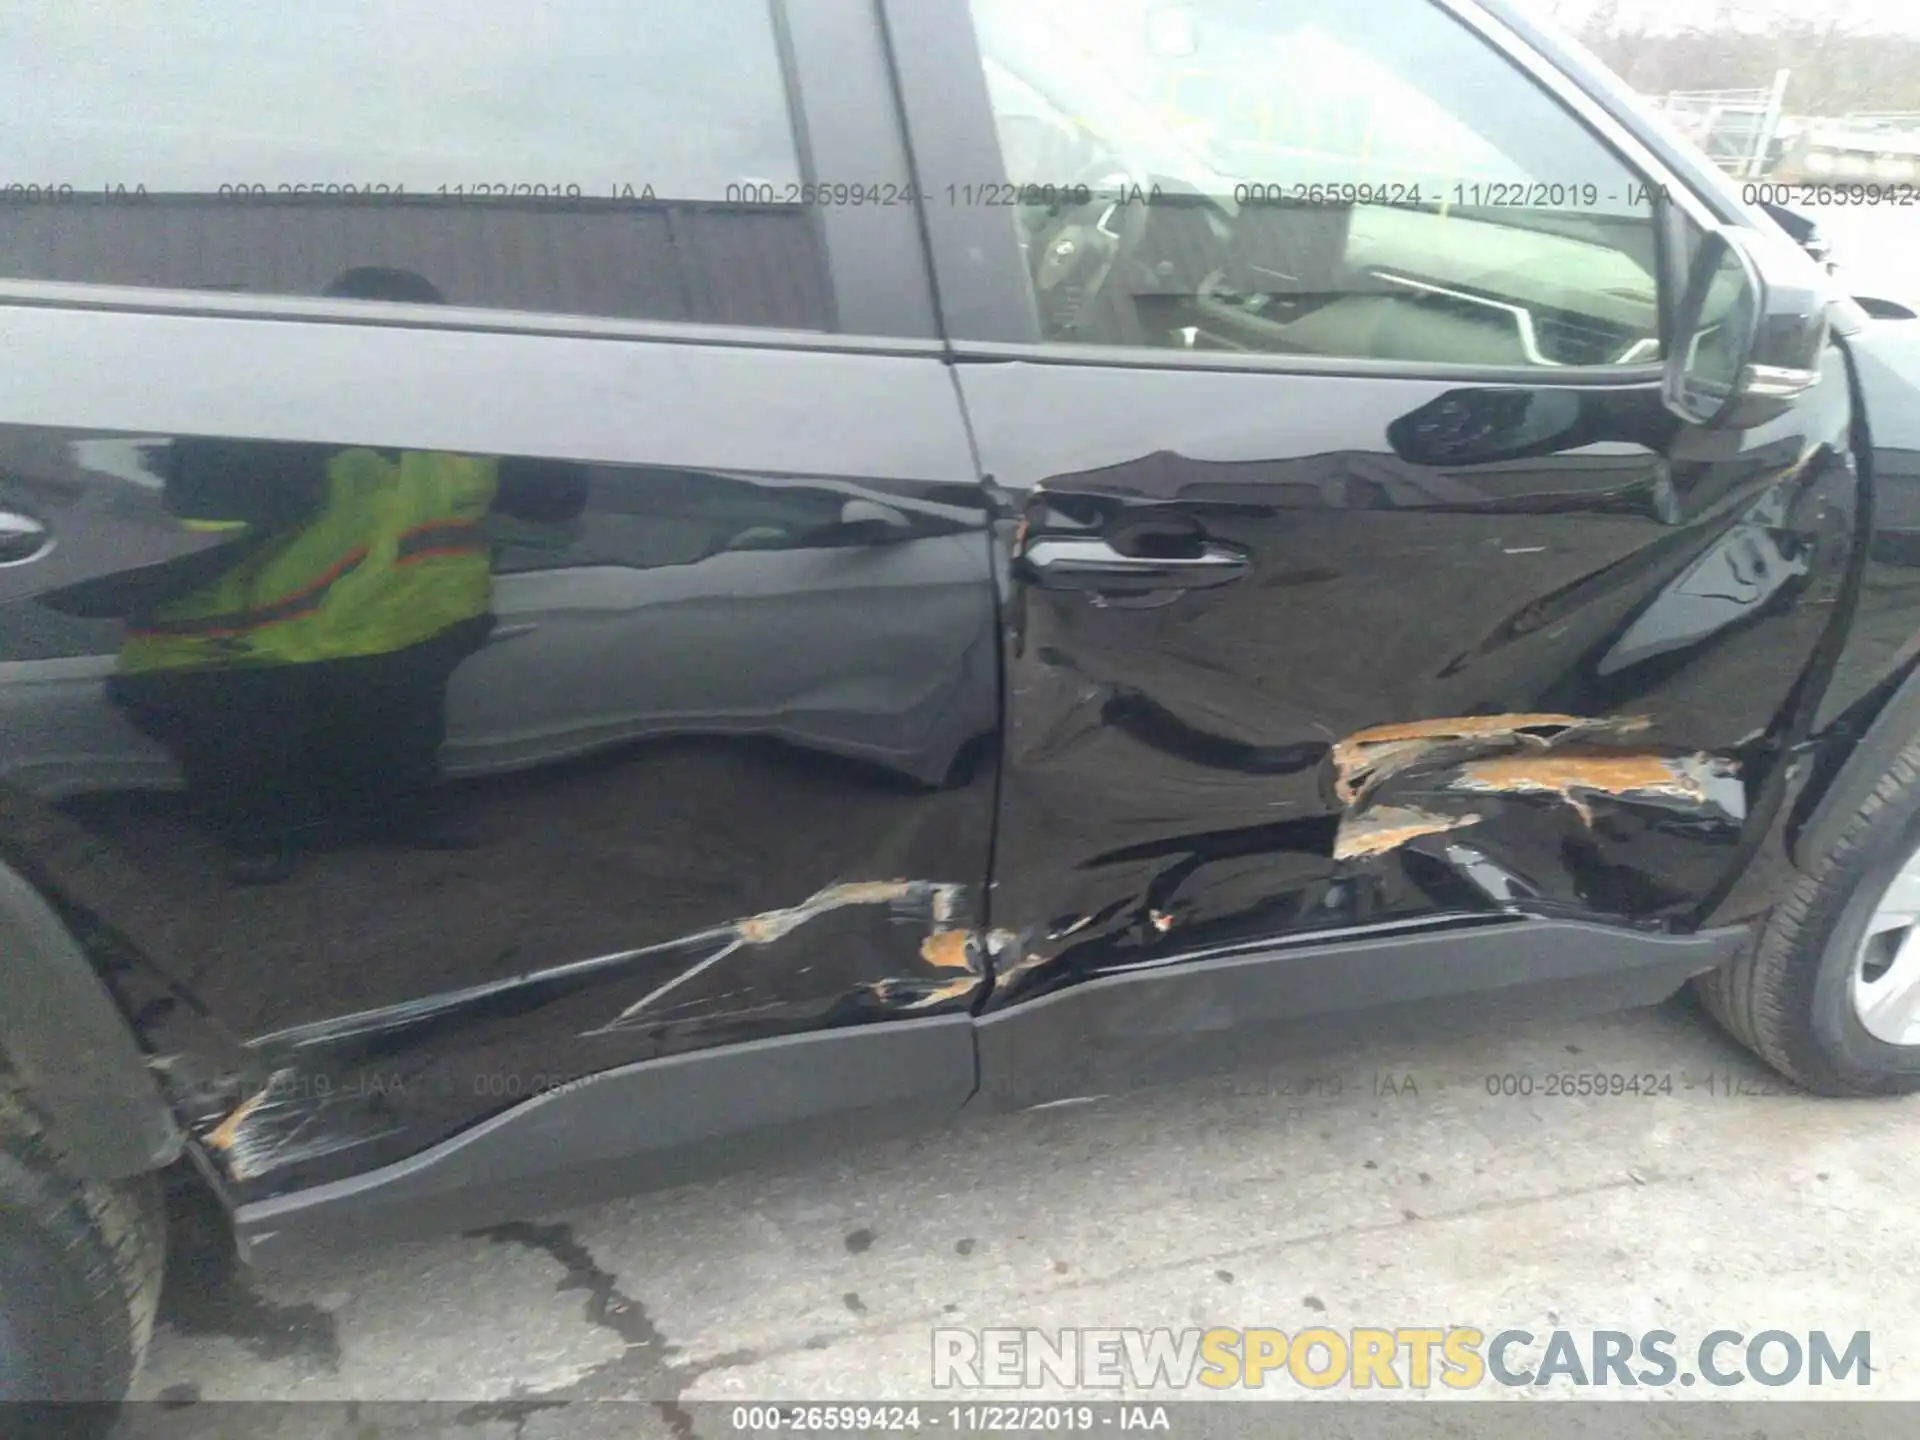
pixel 925 995
pixel 773 925
pixel 948 950
pixel 944 947
pixel 226 1134
pixel 1566 756
pixel 1366 757
pixel 953 990
pixel 1026 964
pixel 1578 777
pixel 291 1119
pixel 1381 828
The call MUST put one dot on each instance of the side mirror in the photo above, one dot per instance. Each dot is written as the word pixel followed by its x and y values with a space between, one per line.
pixel 1750 333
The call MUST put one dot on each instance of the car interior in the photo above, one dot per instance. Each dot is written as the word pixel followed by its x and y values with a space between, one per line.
pixel 1210 235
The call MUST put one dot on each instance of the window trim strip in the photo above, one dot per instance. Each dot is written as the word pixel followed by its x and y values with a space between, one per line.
pixel 139 300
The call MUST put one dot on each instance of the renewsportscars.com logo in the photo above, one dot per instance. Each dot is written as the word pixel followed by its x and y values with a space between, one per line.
pixel 1458 1357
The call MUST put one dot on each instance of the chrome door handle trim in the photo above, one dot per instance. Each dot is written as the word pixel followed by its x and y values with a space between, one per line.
pixel 22 538
pixel 1075 564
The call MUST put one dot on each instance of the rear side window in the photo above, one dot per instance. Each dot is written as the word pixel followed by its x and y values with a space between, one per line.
pixel 592 157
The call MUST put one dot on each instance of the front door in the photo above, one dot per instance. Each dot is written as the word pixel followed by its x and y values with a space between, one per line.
pixel 1358 576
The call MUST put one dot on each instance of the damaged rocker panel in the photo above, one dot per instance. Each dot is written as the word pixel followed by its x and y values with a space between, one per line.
pixel 309 1106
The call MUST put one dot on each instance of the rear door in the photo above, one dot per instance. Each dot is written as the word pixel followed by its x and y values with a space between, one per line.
pixel 1358 577
pixel 711 764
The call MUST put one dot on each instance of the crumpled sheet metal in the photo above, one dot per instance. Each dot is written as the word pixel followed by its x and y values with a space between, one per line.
pixel 1398 782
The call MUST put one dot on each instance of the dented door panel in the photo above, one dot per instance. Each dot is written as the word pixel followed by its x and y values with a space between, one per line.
pixel 717 764
pixel 1496 649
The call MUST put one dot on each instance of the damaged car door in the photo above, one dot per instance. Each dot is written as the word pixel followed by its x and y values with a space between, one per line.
pixel 1359 577
pixel 477 642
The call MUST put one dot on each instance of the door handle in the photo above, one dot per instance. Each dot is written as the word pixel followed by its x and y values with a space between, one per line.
pixel 1096 565
pixel 22 538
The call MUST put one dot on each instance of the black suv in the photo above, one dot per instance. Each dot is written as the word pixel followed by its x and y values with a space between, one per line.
pixel 590 592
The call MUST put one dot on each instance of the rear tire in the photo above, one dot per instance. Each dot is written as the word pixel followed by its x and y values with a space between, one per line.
pixel 80 1270
pixel 1794 998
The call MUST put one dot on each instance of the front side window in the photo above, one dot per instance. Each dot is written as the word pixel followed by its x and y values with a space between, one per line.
pixel 589 157
pixel 1297 177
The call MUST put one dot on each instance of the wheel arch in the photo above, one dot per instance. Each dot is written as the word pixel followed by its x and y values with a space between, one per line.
pixel 1883 725
pixel 1863 723
pixel 64 1038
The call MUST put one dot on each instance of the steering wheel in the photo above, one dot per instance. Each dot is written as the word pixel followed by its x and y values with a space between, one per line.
pixel 1077 255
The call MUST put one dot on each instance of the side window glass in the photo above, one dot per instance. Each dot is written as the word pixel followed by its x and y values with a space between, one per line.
pixel 1364 180
pixel 583 157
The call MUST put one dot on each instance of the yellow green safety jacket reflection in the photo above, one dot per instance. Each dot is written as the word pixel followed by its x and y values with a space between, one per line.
pixel 397 554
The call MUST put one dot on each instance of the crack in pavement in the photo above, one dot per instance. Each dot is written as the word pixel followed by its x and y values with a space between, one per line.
pixel 645 1365
pixel 649 1366
pixel 516 1412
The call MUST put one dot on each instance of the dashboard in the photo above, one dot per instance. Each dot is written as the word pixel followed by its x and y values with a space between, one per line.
pixel 1491 287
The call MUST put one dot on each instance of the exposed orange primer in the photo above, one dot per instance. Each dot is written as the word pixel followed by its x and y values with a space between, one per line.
pixel 948 949
pixel 1461 727
pixel 1366 757
pixel 1575 777
pixel 223 1135
pixel 249 1155
pixel 1388 827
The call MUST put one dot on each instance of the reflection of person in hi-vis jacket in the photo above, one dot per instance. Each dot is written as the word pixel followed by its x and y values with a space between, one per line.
pixel 397 554
pixel 303 689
